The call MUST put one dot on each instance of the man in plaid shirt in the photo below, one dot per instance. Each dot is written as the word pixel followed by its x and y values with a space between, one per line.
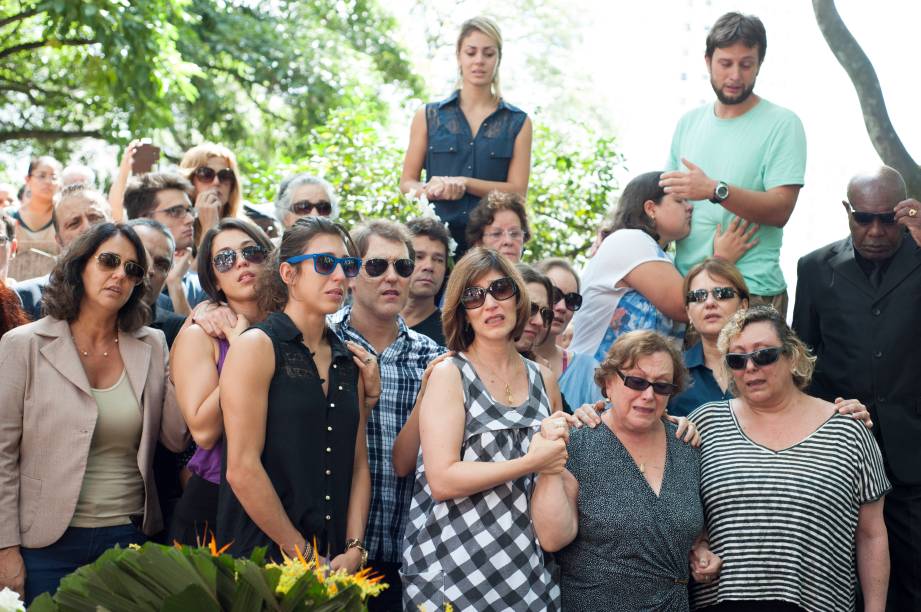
pixel 373 321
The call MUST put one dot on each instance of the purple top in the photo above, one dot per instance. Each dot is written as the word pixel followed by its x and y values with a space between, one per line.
pixel 206 463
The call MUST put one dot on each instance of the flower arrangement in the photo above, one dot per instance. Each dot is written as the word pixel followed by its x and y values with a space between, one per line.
pixel 10 601
pixel 158 578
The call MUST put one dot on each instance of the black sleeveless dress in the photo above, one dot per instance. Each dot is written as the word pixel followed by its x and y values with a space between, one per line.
pixel 309 446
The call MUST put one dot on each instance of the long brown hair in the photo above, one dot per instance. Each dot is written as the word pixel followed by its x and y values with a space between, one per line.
pixel 11 314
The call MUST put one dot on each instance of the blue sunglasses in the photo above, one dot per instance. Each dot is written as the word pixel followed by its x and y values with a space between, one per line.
pixel 324 263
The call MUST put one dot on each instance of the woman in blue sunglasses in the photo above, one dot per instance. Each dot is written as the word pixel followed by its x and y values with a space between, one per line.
pixel 295 403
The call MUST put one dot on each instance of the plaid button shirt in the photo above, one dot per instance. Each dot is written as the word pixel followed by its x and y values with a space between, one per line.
pixel 401 364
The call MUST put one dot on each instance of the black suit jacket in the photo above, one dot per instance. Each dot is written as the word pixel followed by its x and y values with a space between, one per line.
pixel 868 343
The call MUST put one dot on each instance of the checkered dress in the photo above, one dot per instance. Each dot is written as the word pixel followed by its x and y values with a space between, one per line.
pixel 480 552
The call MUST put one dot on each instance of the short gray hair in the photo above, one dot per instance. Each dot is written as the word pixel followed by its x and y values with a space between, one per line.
pixel 286 193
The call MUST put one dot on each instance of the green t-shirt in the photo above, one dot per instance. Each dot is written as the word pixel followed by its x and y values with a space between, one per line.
pixel 762 149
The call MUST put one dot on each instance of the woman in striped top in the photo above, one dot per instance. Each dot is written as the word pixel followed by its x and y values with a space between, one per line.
pixel 792 491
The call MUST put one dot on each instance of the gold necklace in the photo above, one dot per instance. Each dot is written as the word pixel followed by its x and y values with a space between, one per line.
pixel 508 388
pixel 86 353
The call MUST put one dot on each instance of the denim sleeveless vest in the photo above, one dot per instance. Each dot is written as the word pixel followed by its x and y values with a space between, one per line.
pixel 453 151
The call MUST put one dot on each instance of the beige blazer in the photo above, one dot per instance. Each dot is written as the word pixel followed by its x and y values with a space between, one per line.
pixel 47 418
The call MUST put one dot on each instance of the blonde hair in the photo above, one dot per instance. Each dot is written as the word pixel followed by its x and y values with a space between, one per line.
pixel 716 266
pixel 801 358
pixel 199 155
pixel 488 27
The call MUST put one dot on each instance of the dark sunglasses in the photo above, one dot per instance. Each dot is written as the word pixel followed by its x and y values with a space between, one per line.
pixel 206 174
pixel 500 289
pixel 178 211
pixel 225 259
pixel 324 263
pixel 376 267
pixel 641 384
pixel 573 300
pixel 546 314
pixel 720 294
pixel 111 261
pixel 865 218
pixel 323 208
pixel 761 357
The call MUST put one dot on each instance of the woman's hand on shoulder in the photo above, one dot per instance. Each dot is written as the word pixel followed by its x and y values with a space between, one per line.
pixel 855 409
pixel 590 414
pixel 213 317
pixel 687 431
pixel 370 371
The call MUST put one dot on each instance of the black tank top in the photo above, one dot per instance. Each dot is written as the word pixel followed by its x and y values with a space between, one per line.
pixel 309 445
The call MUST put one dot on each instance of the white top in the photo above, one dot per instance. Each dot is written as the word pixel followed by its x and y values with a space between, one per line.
pixel 608 310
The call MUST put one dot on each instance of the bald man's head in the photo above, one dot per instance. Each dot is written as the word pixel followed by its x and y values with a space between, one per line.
pixel 873 197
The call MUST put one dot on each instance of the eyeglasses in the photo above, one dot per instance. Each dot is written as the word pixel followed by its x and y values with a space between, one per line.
pixel 376 267
pixel 324 263
pixel 51 178
pixel 303 207
pixel 641 384
pixel 178 211
pixel 206 174
pixel 719 293
pixel 500 289
pixel 546 314
pixel 865 218
pixel 573 299
pixel 761 357
pixel 516 235
pixel 225 259
pixel 111 261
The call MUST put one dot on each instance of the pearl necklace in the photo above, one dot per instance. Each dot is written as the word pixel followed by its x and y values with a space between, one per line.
pixel 86 353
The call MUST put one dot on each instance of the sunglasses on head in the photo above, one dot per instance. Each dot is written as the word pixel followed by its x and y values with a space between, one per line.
pixel 376 267
pixel 641 384
pixel 111 261
pixel 500 289
pixel 865 218
pixel 325 264
pixel 761 357
pixel 180 210
pixel 720 294
pixel 546 314
pixel 225 259
pixel 207 174
pixel 304 207
pixel 573 299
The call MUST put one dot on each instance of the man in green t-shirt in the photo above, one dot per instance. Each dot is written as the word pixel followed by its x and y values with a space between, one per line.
pixel 740 156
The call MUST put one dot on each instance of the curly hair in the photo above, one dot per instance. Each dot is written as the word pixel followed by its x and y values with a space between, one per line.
pixel 630 347
pixel 63 296
pixel 11 314
pixel 485 214
pixel 801 358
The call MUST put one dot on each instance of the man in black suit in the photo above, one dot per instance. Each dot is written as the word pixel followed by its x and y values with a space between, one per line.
pixel 858 305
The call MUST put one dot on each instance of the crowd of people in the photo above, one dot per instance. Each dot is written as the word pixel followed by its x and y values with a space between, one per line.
pixel 484 431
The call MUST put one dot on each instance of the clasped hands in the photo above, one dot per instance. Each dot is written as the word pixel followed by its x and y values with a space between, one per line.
pixel 445 188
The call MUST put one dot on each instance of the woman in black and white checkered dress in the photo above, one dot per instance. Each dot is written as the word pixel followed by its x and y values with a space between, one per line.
pixel 470 541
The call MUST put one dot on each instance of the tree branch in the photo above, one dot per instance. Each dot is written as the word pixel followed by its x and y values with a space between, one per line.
pixel 37 134
pixel 875 116
pixel 37 44
pixel 18 17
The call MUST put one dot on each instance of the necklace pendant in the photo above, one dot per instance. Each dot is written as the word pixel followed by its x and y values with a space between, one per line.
pixel 105 354
pixel 508 394
pixel 642 468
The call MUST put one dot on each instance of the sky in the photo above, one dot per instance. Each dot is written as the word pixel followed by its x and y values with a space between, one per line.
pixel 641 64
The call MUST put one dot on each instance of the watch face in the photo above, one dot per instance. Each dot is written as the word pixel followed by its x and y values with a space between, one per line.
pixel 722 191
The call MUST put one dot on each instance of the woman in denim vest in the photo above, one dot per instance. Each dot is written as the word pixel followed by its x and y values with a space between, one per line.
pixel 472 142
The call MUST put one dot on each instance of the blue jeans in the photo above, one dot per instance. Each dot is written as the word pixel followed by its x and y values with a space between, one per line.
pixel 78 546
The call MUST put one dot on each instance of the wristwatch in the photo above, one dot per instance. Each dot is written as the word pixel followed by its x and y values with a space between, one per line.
pixel 355 543
pixel 720 193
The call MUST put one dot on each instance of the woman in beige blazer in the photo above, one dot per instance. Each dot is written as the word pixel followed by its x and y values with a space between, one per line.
pixel 84 400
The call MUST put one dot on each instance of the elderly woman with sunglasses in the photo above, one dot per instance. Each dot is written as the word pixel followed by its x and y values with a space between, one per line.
pixel 293 401
pixel 84 400
pixel 229 261
pixel 791 489
pixel 304 195
pixel 212 170
pixel 625 513
pixel 469 540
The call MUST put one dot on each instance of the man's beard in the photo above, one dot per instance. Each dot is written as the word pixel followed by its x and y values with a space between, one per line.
pixel 739 99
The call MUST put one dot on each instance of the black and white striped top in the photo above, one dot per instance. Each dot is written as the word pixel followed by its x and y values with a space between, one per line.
pixel 784 522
